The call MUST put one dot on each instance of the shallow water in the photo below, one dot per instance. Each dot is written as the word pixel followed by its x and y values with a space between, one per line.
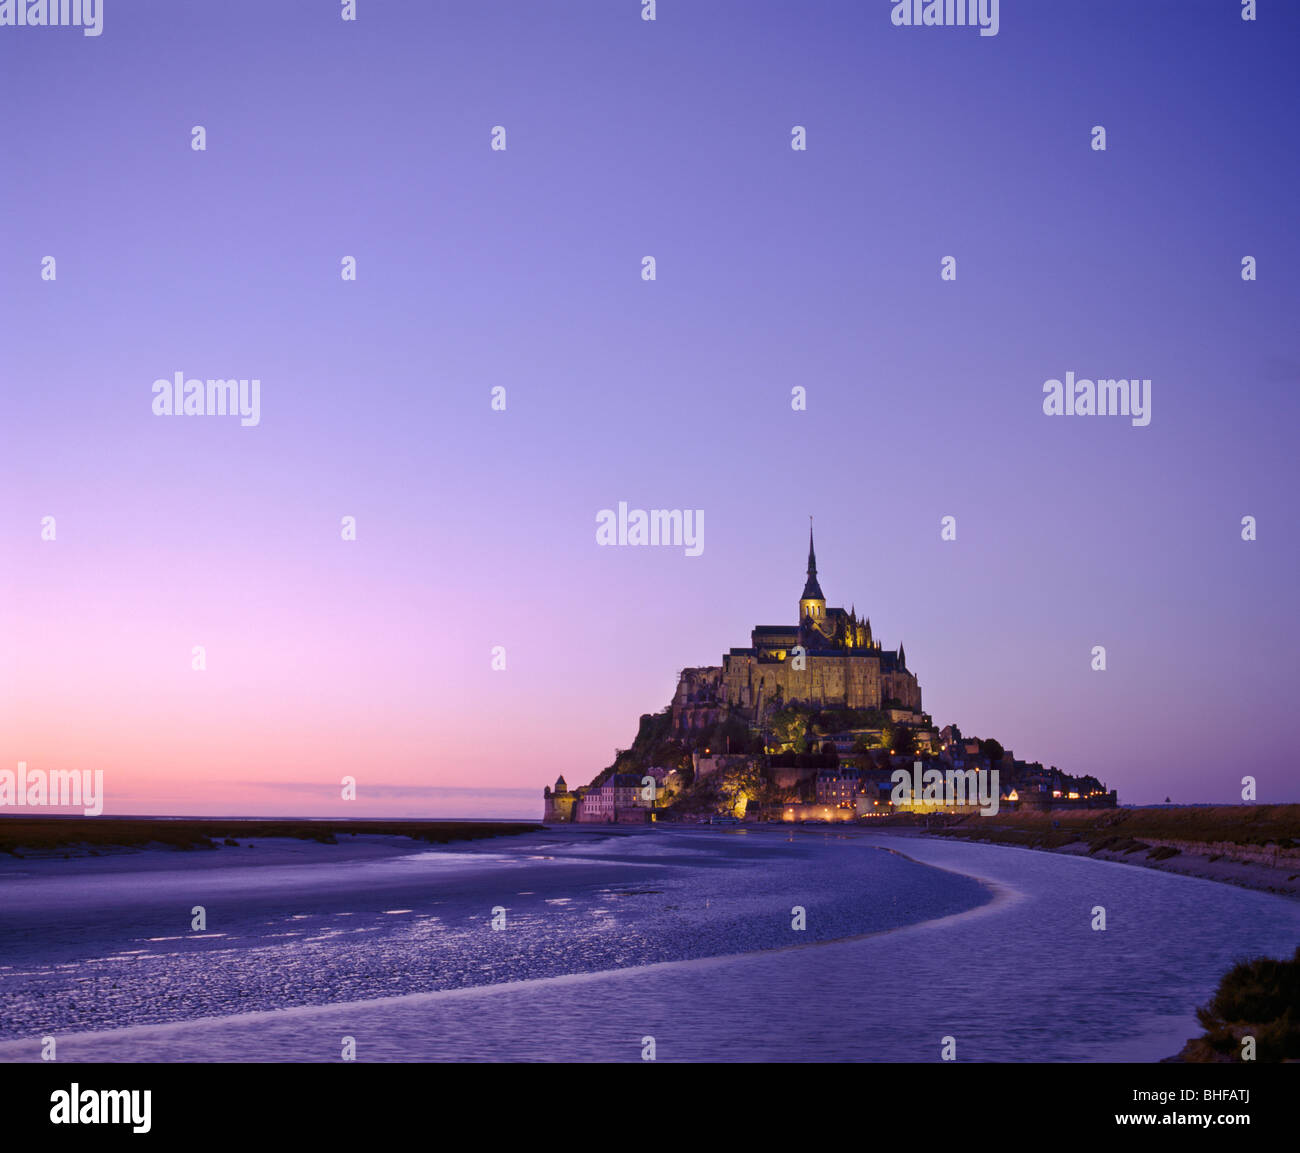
pixel 683 935
pixel 308 925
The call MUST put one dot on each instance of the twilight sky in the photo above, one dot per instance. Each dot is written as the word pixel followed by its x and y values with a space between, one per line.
pixel 522 269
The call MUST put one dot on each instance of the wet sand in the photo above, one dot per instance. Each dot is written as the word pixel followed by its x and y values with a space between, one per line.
pixel 1012 968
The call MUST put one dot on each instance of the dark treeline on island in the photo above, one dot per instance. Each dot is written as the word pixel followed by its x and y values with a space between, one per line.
pixel 99 834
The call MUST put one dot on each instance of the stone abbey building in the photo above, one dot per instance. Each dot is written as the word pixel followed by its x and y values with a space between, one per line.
pixel 828 660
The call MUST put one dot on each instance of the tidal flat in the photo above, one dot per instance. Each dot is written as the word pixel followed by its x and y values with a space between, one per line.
pixel 603 937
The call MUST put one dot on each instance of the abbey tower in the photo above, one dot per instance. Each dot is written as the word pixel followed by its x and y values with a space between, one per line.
pixel 828 660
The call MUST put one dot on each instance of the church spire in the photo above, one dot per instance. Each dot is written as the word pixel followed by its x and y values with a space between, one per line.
pixel 812 590
pixel 902 656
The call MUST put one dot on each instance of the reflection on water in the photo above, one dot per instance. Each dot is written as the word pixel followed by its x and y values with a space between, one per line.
pixel 1008 965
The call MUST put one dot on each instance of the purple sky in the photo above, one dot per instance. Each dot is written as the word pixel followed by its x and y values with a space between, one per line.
pixel 522 269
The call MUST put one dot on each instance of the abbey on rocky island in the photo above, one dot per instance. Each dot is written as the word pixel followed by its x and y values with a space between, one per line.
pixel 813 721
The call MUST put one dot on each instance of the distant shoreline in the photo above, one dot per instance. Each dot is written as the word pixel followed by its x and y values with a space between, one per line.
pixel 42 837
pixel 1251 846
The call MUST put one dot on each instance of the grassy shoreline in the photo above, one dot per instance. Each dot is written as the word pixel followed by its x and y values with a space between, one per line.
pixel 1253 846
pixel 1245 825
pixel 1254 1015
pixel 96 835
